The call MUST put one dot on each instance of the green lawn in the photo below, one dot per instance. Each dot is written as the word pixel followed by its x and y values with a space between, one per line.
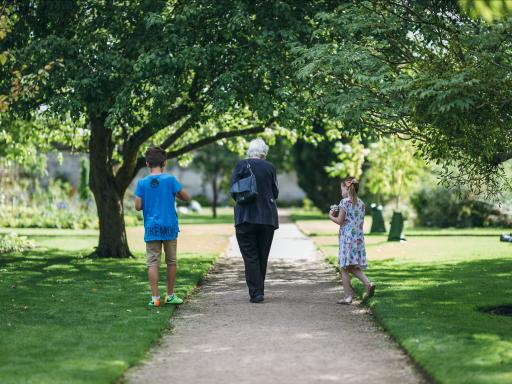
pixel 224 216
pixel 430 289
pixel 316 223
pixel 66 318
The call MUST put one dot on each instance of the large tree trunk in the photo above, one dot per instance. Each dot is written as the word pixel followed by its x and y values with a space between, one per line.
pixel 108 196
pixel 112 242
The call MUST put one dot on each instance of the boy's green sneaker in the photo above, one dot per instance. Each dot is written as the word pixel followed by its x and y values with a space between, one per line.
pixel 173 299
pixel 154 303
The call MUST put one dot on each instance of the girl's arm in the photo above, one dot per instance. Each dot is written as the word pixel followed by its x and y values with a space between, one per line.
pixel 340 220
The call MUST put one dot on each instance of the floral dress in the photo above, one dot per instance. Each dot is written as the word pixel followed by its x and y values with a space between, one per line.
pixel 352 250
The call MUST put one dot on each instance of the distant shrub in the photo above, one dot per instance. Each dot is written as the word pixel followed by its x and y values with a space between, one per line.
pixel 14 243
pixel 60 216
pixel 311 162
pixel 307 204
pixel 440 207
pixel 83 188
pixel 50 207
pixel 203 200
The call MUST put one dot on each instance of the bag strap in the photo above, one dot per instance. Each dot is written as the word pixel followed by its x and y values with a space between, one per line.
pixel 249 167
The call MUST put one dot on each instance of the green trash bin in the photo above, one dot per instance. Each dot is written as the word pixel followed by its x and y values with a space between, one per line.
pixel 397 227
pixel 378 225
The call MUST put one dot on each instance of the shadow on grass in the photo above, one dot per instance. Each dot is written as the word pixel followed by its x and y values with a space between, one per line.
pixel 441 234
pixel 432 311
pixel 78 319
pixel 307 216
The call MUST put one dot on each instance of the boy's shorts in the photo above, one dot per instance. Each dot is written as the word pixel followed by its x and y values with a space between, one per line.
pixel 154 250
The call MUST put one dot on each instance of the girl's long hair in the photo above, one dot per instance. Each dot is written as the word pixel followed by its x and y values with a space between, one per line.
pixel 352 184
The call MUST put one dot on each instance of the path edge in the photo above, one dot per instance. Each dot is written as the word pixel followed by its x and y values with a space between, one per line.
pixel 122 379
pixel 374 318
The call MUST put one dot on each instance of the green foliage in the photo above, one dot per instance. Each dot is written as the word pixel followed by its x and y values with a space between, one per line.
pixel 48 216
pixel 50 207
pixel 281 152
pixel 350 159
pixel 215 162
pixel 178 74
pixel 394 168
pixel 7 19
pixel 203 200
pixel 14 243
pixel 422 71
pixel 83 188
pixel 155 65
pixel 311 163
pixel 441 207
pixel 307 204
pixel 489 10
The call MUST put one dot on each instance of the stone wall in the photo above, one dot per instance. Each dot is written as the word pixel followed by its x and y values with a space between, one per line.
pixel 191 179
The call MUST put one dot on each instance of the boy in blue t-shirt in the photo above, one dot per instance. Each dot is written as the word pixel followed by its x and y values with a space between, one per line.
pixel 155 195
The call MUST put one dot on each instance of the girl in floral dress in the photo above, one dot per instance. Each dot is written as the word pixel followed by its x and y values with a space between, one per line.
pixel 349 215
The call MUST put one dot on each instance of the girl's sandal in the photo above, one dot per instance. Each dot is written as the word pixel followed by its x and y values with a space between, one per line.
pixel 345 301
pixel 371 291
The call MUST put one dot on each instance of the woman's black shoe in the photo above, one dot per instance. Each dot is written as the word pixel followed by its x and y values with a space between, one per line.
pixel 257 299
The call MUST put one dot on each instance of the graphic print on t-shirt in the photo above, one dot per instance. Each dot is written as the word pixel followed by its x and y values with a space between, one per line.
pixel 154 183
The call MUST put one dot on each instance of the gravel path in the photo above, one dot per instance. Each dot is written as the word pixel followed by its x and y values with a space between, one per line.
pixel 298 335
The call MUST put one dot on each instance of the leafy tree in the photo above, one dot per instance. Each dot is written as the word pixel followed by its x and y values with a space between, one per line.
pixel 7 20
pixel 393 172
pixel 350 157
pixel 394 169
pixel 420 70
pixel 156 71
pixel 18 143
pixel 215 162
pixel 489 10
pixel 312 158
pixel 83 187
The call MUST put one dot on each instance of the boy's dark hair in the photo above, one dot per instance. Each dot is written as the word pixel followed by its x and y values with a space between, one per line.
pixel 155 157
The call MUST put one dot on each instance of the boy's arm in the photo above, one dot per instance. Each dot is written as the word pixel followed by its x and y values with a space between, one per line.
pixel 183 195
pixel 138 203
pixel 139 192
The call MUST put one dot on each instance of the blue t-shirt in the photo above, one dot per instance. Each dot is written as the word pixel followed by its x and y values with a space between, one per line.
pixel 160 217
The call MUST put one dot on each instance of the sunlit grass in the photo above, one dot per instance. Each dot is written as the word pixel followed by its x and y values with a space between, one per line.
pixel 429 291
pixel 66 318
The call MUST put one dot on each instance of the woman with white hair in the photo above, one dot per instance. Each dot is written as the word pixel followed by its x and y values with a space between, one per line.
pixel 256 220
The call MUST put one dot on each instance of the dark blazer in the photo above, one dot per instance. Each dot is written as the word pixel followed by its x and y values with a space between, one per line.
pixel 263 210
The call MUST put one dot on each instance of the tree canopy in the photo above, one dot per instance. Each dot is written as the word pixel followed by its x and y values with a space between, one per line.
pixel 156 71
pixel 183 74
pixel 421 70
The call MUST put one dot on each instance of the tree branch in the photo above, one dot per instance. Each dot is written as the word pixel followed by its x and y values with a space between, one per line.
pixel 213 139
pixel 141 161
pixel 131 163
pixel 154 126
pixel 501 157
pixel 187 124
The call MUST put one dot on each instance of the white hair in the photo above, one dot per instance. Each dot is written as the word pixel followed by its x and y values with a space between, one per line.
pixel 257 148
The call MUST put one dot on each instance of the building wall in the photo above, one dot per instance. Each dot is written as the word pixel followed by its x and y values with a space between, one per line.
pixel 289 190
pixel 191 178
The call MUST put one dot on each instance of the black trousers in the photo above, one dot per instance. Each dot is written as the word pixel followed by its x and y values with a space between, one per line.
pixel 255 241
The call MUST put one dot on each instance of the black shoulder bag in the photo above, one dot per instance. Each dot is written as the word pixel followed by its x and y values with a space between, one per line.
pixel 245 190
